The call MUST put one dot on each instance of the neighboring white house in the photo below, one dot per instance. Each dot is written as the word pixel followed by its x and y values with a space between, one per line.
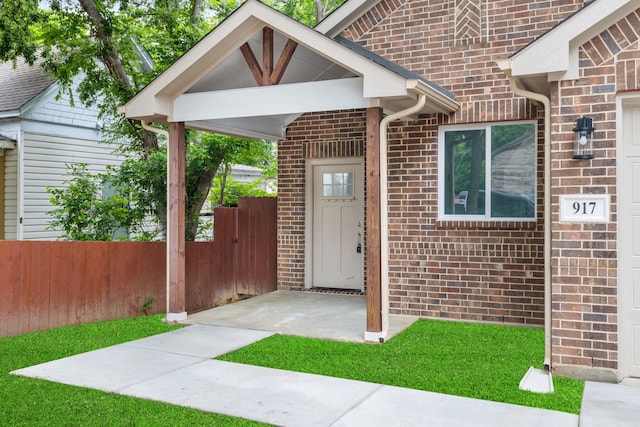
pixel 39 135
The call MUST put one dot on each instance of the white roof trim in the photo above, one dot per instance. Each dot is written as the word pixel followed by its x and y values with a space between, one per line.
pixel 155 100
pixel 345 15
pixel 7 142
pixel 270 100
pixel 556 52
pixel 9 114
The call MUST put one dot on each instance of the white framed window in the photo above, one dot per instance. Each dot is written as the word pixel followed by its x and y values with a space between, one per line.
pixel 337 185
pixel 487 172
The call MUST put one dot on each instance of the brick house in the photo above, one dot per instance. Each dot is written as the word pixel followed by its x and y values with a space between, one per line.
pixel 426 156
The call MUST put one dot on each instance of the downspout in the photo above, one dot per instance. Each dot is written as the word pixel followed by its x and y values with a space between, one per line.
pixel 384 206
pixel 544 100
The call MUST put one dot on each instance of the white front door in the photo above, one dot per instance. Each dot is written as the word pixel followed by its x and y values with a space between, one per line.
pixel 338 225
pixel 629 240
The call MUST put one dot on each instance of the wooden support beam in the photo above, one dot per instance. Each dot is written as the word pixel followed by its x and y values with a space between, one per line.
pixel 372 212
pixel 176 195
pixel 252 62
pixel 267 75
pixel 267 55
pixel 283 62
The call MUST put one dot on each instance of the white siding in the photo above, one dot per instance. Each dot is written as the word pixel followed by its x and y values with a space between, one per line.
pixel 46 108
pixel 45 157
pixel 11 194
pixel 11 128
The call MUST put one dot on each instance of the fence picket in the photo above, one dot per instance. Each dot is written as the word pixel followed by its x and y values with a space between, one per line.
pixel 45 284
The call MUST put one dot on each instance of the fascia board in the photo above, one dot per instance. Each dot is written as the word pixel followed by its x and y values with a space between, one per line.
pixel 344 16
pixel 228 36
pixel 270 100
pixel 547 57
pixel 556 52
pixel 50 92
pixel 435 98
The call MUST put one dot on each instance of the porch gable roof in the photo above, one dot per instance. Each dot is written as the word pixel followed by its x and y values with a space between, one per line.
pixel 214 87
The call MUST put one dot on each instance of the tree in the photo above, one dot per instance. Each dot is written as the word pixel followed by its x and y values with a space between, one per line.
pixel 309 12
pixel 102 40
pixel 85 211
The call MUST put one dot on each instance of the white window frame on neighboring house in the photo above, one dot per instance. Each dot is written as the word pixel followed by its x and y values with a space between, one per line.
pixel 455 203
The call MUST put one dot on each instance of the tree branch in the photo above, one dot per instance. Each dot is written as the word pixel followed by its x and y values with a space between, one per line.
pixel 108 53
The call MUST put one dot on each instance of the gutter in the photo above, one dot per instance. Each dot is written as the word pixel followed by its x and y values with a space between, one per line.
pixel 157 131
pixel 505 66
pixel 384 205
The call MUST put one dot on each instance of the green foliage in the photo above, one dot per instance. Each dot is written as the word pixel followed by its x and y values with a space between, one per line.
pixel 463 359
pixel 261 154
pixel 309 12
pixel 148 305
pixel 32 402
pixel 85 212
pixel 104 41
pixel 233 190
pixel 16 40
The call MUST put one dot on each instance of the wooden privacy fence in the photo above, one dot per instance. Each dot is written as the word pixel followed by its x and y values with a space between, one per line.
pixel 45 284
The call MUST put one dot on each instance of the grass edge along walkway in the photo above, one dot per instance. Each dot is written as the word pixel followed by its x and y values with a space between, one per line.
pixel 482 361
pixel 32 402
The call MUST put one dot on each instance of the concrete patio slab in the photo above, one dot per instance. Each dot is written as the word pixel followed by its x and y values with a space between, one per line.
pixel 273 396
pixel 394 406
pixel 329 316
pixel 605 405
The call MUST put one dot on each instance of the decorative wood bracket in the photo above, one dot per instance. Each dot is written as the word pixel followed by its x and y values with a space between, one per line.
pixel 267 75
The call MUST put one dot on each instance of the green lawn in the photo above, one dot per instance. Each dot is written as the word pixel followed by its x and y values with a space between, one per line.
pixel 463 359
pixel 30 402
pixel 481 361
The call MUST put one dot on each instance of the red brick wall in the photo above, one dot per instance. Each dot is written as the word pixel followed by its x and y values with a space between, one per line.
pixel 480 271
pixel 461 270
pixel 313 136
pixel 585 305
pixel 471 270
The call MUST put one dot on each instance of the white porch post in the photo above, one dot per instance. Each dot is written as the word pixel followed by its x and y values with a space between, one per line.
pixel 176 195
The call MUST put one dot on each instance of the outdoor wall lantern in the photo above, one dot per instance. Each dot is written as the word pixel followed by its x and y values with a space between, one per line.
pixel 583 148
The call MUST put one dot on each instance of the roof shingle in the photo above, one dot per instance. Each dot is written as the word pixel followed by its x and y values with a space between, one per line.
pixel 21 84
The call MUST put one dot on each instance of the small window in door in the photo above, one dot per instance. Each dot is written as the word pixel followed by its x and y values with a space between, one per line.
pixel 337 185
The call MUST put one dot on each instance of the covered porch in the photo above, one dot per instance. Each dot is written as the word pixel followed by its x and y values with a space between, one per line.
pixel 255 74
pixel 306 314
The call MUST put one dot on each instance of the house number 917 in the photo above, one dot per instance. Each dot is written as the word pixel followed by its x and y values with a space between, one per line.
pixel 584 208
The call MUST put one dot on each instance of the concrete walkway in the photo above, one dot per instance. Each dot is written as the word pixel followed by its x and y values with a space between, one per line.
pixel 177 368
pixel 611 405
